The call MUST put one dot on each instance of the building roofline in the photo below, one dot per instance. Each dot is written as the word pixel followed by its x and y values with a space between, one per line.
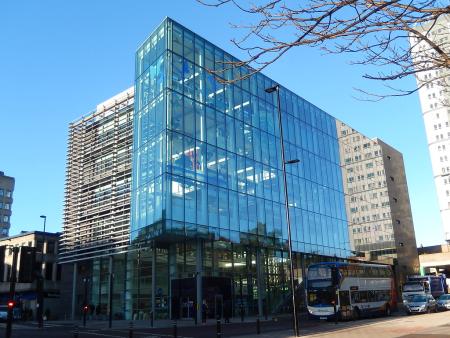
pixel 2 174
pixel 373 139
pixel 108 103
pixel 35 232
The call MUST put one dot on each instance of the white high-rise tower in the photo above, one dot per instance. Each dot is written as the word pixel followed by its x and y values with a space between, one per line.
pixel 434 90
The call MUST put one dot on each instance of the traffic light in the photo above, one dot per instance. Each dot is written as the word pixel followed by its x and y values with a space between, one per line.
pixel 11 304
pixel 85 311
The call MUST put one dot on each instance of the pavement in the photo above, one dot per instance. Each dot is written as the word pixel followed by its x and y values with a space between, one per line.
pixel 162 329
pixel 435 325
pixel 162 323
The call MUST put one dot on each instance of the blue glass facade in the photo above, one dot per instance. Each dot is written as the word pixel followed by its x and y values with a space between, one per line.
pixel 207 158
pixel 208 221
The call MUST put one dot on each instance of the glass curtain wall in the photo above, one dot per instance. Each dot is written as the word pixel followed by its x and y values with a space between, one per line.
pixel 93 286
pixel 207 165
pixel 149 136
pixel 223 166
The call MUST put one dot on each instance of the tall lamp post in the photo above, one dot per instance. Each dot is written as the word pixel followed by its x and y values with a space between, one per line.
pixel 85 300
pixel 12 291
pixel 45 221
pixel 276 89
pixel 40 284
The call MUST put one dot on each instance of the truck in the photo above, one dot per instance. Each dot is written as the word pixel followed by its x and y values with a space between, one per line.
pixel 425 285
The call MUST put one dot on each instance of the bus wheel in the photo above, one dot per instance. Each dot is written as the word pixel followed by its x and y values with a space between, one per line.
pixel 356 314
pixel 387 310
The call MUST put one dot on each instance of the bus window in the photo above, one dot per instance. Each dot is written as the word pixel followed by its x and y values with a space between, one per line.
pixel 321 297
pixel 372 295
pixel 355 297
pixel 383 295
pixel 363 296
pixel 344 298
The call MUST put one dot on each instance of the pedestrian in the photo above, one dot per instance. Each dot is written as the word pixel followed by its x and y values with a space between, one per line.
pixel 204 311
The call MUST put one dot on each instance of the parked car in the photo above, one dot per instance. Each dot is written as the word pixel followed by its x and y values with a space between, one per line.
pixel 17 313
pixel 420 304
pixel 408 298
pixel 443 303
pixel 3 313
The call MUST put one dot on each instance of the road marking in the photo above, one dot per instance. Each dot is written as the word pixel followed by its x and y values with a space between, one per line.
pixel 150 335
pixel 99 334
pixel 18 326
pixel 164 335
pixel 158 335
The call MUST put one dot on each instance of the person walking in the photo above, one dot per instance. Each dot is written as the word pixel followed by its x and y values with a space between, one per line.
pixel 204 311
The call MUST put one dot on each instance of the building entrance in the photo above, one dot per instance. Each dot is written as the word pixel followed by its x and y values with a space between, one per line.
pixel 187 309
pixel 216 298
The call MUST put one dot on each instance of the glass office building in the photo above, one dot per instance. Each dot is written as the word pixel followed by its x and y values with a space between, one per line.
pixel 208 219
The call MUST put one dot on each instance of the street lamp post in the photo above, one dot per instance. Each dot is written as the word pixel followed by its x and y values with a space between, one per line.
pixel 12 291
pixel 40 284
pixel 45 221
pixel 85 300
pixel 276 89
pixel 110 296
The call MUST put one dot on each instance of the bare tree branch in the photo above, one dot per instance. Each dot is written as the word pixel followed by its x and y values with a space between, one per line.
pixel 401 37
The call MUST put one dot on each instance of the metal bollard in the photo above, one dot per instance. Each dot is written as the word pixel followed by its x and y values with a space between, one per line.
pixel 258 326
pixel 75 331
pixel 130 330
pixel 218 329
pixel 175 330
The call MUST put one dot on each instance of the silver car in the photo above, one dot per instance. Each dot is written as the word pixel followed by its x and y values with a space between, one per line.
pixel 443 302
pixel 420 304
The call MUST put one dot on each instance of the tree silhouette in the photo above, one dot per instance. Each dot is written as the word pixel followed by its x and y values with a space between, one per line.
pixel 399 37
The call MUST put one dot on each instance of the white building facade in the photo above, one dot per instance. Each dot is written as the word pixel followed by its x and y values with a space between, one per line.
pixel 434 86
pixel 97 208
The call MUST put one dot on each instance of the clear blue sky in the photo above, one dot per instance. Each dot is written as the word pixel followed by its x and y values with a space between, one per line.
pixel 58 59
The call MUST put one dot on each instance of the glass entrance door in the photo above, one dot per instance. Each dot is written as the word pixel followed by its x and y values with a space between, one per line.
pixel 187 308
